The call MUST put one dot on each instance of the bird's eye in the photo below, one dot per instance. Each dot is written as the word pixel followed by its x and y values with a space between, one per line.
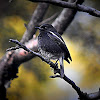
pixel 45 27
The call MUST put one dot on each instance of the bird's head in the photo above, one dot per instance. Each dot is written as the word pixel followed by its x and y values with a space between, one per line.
pixel 46 27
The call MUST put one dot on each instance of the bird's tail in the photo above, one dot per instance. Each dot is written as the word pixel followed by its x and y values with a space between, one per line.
pixel 61 67
pixel 68 56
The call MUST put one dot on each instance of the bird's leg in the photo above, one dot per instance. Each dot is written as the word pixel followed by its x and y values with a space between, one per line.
pixel 56 63
pixel 61 67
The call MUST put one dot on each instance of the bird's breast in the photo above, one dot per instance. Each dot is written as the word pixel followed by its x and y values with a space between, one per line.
pixel 48 47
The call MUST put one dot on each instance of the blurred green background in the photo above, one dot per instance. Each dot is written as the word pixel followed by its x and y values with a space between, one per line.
pixel 82 38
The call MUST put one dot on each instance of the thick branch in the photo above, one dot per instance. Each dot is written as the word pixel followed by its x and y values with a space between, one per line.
pixel 37 17
pixel 10 62
pixel 78 7
pixel 65 18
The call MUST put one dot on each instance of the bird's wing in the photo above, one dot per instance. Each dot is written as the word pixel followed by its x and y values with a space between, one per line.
pixel 58 39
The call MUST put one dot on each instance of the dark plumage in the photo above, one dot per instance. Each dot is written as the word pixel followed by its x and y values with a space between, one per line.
pixel 52 46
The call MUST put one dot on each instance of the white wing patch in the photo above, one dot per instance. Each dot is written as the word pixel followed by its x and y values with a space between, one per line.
pixel 56 36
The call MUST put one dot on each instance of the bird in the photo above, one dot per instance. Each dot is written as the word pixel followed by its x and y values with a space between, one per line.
pixel 52 46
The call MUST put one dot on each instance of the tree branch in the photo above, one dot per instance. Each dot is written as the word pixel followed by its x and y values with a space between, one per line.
pixel 37 17
pixel 10 62
pixel 78 7
pixel 65 18
pixel 82 95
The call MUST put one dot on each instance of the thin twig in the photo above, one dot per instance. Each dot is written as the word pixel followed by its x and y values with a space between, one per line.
pixel 53 65
pixel 32 52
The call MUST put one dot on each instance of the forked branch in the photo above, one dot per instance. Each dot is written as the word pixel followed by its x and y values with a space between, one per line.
pixel 82 95
pixel 74 5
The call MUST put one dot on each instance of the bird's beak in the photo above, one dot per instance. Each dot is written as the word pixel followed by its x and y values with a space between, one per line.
pixel 38 28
